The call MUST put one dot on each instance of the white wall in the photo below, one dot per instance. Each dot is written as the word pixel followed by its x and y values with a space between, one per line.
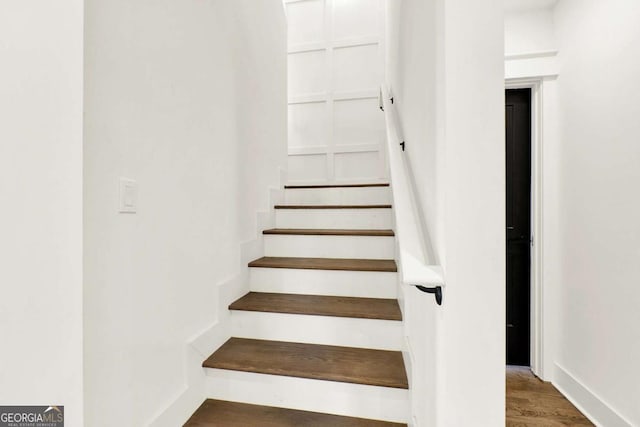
pixel 529 31
pixel 587 149
pixel 599 330
pixel 41 197
pixel 530 43
pixel 411 71
pixel 187 98
pixel 260 69
pixel 474 179
pixel 411 77
pixel 446 62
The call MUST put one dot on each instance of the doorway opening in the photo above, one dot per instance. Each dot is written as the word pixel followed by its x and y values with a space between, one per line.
pixel 518 148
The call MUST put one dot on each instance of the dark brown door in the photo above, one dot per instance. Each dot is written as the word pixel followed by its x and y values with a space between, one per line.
pixel 518 167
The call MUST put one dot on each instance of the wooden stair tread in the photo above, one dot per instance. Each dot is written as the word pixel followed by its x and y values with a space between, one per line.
pixel 321 305
pixel 219 413
pixel 332 206
pixel 387 265
pixel 335 186
pixel 328 232
pixel 322 362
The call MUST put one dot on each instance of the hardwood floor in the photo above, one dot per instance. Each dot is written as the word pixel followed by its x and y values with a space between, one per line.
pixel 532 402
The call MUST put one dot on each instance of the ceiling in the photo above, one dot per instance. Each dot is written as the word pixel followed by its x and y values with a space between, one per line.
pixel 524 5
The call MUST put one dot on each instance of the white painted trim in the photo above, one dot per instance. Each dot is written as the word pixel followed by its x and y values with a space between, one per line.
pixel 308 98
pixel 355 41
pixel 199 347
pixel 328 32
pixel 587 401
pixel 308 150
pixel 530 55
pixel 537 231
pixel 532 77
pixel 293 1
pixel 322 149
pixel 334 44
pixel 306 47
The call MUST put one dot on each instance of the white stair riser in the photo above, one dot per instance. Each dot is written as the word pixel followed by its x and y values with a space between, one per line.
pixel 370 247
pixel 338 196
pixel 340 331
pixel 354 400
pixel 370 284
pixel 334 218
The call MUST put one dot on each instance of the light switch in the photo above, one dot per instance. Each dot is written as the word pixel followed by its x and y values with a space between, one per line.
pixel 128 195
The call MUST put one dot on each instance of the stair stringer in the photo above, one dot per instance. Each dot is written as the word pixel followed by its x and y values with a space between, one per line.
pixel 197 348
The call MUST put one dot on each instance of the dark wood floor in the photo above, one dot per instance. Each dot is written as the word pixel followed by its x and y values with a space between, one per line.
pixel 532 402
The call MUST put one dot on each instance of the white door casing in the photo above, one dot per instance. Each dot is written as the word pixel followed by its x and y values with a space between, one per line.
pixel 336 65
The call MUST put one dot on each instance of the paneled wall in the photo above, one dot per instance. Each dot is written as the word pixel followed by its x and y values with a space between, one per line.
pixel 336 64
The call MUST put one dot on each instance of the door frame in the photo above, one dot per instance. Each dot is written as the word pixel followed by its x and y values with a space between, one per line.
pixel 536 259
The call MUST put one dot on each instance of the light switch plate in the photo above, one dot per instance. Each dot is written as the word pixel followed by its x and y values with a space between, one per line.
pixel 128 196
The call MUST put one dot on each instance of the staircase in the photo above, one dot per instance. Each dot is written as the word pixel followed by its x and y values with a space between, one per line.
pixel 318 340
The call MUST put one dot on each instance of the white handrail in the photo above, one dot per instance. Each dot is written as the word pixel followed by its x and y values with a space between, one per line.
pixel 416 267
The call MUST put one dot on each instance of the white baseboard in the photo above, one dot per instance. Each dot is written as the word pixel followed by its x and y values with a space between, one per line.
pixel 589 403
pixel 202 344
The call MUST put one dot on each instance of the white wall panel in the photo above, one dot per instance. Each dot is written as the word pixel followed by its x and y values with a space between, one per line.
pixel 356 68
pixel 308 167
pixel 306 21
pixel 335 61
pixel 357 121
pixel 354 18
pixel 307 124
pixel 306 72
pixel 356 166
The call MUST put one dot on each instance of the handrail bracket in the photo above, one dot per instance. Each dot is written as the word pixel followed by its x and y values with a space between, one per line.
pixel 437 291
